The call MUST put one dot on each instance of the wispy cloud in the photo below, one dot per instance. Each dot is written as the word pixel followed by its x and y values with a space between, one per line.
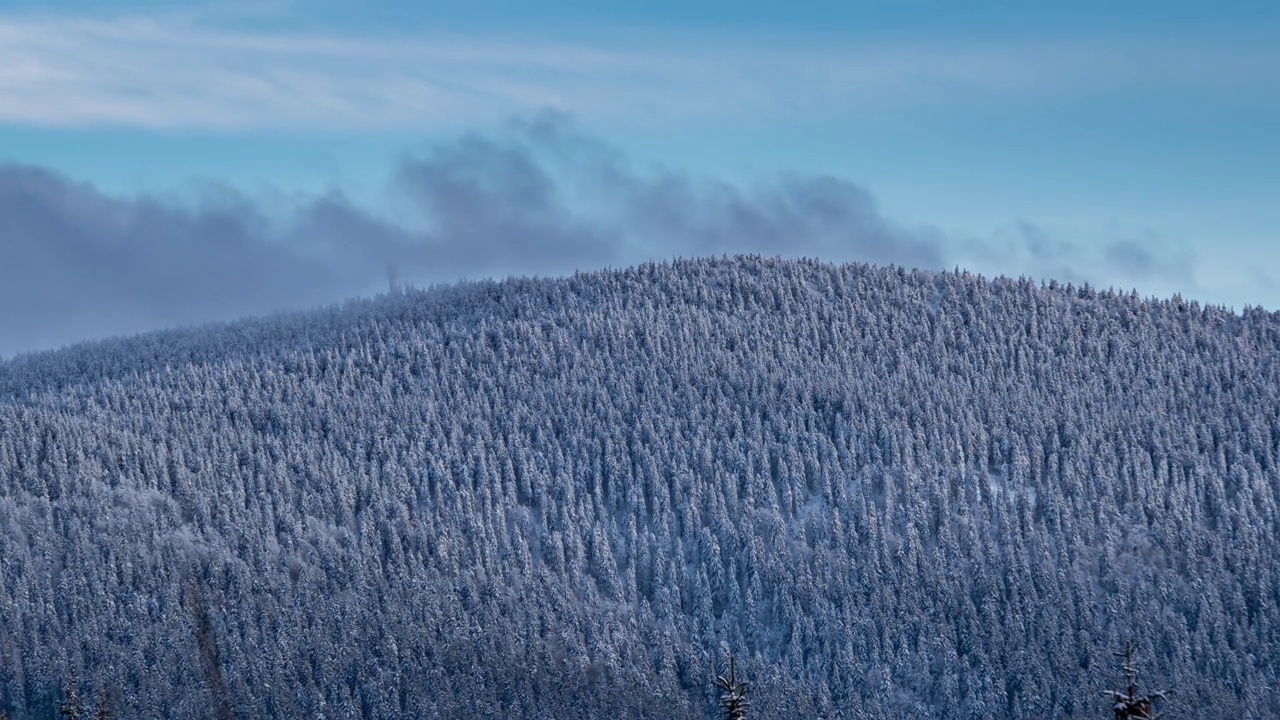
pixel 1105 257
pixel 1143 260
pixel 180 71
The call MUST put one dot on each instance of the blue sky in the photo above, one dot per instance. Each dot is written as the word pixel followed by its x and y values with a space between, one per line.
pixel 1127 145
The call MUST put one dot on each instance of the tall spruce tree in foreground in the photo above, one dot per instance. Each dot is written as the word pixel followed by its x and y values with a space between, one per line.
pixel 1128 704
pixel 733 694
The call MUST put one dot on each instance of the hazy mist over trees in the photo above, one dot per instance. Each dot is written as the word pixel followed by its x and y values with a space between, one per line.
pixel 888 493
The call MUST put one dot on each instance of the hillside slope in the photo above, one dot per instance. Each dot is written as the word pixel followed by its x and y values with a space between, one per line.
pixel 892 494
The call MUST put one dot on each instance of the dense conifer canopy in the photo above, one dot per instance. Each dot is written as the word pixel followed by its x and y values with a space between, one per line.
pixel 889 493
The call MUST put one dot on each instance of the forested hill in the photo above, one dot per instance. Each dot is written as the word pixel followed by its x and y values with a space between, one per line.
pixel 891 494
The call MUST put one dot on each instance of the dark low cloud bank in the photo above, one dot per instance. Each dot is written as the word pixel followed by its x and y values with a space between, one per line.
pixel 76 264
pixel 535 198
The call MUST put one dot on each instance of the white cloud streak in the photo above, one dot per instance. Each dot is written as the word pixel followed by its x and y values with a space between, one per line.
pixel 174 72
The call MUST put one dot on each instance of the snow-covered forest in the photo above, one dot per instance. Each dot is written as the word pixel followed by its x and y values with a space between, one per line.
pixel 890 493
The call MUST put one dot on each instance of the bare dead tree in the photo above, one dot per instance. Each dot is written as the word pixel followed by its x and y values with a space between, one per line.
pixel 1128 704
pixel 733 694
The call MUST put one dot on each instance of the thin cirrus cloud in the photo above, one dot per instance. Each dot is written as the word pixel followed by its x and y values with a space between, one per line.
pixel 174 71
pixel 537 197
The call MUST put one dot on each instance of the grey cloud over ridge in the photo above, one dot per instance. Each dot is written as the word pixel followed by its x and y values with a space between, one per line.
pixel 535 198
pixel 75 263
pixel 560 195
